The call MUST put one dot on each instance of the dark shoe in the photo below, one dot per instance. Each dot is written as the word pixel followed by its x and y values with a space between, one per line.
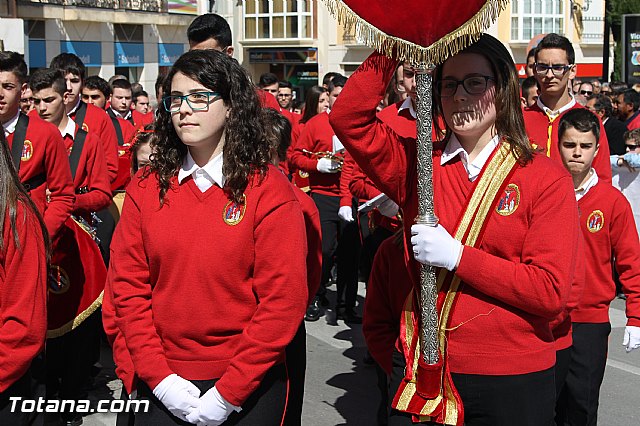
pixel 350 317
pixel 313 311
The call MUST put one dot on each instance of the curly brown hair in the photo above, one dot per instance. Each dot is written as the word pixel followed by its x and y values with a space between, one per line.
pixel 246 150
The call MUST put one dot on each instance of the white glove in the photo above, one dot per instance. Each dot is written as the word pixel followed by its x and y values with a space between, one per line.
pixel 180 396
pixel 388 208
pixel 346 213
pixel 213 409
pixel 434 246
pixel 326 165
pixel 631 337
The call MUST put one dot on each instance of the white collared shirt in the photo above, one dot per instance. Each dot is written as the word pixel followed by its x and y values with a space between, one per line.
pixel 124 117
pixel 10 126
pixel 204 177
pixel 69 129
pixel 554 114
pixel 75 108
pixel 453 149
pixel 408 104
pixel 585 187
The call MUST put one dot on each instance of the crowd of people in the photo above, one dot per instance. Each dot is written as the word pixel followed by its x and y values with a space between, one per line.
pixel 198 237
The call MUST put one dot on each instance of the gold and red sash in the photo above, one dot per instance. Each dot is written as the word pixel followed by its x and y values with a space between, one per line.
pixel 427 391
pixel 77 275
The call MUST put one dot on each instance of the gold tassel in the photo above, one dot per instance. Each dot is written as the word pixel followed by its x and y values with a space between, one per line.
pixel 437 53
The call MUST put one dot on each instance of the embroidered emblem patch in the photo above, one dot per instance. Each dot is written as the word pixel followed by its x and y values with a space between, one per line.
pixel 59 282
pixel 85 127
pixel 509 201
pixel 233 212
pixel 27 151
pixel 595 221
pixel 303 174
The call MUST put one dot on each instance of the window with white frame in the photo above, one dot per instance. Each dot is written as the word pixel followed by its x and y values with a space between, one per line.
pixel 278 19
pixel 532 17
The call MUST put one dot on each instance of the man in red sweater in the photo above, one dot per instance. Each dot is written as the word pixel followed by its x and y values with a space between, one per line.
pixel 340 235
pixel 607 224
pixel 40 157
pixel 554 68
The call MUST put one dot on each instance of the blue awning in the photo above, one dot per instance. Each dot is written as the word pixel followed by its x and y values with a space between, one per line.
pixel 129 54
pixel 168 53
pixel 90 52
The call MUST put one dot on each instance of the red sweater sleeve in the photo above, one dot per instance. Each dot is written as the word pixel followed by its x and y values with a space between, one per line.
pixel 346 198
pixel 131 288
pixel 360 186
pixel 314 244
pixel 626 249
pixel 602 162
pixel 107 135
pixel 59 183
pixel 23 279
pixel 299 159
pixel 280 285
pixel 539 284
pixel 95 178
pixel 377 150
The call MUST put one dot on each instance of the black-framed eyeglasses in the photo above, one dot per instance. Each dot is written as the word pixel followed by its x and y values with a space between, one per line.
pixel 197 101
pixel 284 95
pixel 473 85
pixel 586 92
pixel 556 70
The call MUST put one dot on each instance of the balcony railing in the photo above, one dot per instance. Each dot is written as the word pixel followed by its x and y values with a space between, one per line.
pixel 158 6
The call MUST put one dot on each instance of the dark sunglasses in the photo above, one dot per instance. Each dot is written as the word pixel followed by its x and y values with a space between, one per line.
pixel 632 147
pixel 586 92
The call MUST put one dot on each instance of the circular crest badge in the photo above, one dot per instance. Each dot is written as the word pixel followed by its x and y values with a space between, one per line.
pixel 27 151
pixel 303 174
pixel 595 221
pixel 234 212
pixel 59 282
pixel 509 201
pixel 85 127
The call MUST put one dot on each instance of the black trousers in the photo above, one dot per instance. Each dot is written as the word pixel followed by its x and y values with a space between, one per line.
pixel 296 353
pixel 20 388
pixel 341 240
pixel 265 407
pixel 125 418
pixel 578 401
pixel 523 399
pixel 371 241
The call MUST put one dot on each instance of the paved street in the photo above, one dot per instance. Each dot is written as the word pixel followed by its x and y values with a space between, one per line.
pixel 341 390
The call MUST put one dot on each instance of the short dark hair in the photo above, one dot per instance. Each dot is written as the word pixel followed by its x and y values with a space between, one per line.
pixel 531 53
pixel 120 83
pixel 337 81
pixel 528 83
pixel 13 62
pixel 210 25
pixel 159 82
pixel 328 77
pixel 580 119
pixel 267 79
pixel 46 78
pixel 69 63
pixel 632 135
pixel 277 131
pixel 139 93
pixel 285 84
pixel 95 82
pixel 618 86
pixel 556 41
pixel 630 96
pixel 603 103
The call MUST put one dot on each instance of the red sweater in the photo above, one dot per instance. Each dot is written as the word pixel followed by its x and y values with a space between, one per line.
pixel 23 296
pixel 538 127
pixel 124 154
pixel 609 233
pixel 44 154
pixel 97 122
pixel 388 288
pixel 316 136
pixel 297 179
pixel 239 288
pixel 314 241
pixel 518 279
pixel 91 176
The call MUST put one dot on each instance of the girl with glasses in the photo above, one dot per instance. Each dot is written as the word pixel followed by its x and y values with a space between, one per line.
pixel 502 276
pixel 205 292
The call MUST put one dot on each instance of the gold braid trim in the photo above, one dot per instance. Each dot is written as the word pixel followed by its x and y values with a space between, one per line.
pixel 438 52
pixel 77 320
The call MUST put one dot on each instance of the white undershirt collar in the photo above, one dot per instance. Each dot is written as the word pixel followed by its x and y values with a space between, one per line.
pixel 203 177
pixel 454 148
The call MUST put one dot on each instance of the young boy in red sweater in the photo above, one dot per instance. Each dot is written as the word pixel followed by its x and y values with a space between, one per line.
pixel 607 225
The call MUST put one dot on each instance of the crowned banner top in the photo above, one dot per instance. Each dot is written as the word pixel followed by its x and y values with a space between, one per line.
pixel 421 31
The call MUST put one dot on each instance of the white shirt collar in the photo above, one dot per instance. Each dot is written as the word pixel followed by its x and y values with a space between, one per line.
pixel 69 129
pixel 585 187
pixel 204 177
pixel 117 114
pixel 75 108
pixel 453 149
pixel 554 114
pixel 10 126
pixel 408 104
